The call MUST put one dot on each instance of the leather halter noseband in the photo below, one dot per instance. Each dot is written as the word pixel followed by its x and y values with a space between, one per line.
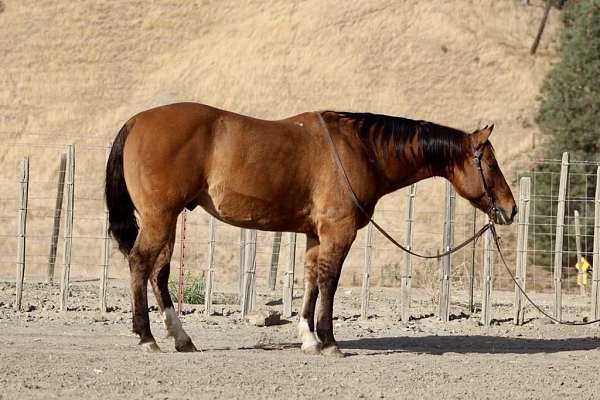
pixel 492 209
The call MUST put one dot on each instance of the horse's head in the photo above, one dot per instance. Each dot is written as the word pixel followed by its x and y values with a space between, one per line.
pixel 480 180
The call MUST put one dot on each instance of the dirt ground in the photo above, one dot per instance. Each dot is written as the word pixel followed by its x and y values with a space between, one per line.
pixel 47 354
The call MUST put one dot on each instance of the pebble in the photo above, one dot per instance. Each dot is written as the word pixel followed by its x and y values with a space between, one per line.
pixel 264 318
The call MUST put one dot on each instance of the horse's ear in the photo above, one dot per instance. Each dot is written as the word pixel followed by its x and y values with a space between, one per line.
pixel 481 136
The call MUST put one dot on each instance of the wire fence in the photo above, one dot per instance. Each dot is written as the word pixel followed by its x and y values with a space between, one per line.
pixel 386 262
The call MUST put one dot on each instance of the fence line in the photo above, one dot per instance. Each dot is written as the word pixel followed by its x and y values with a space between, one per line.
pixel 383 265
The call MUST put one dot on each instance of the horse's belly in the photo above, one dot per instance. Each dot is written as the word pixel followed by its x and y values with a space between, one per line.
pixel 257 211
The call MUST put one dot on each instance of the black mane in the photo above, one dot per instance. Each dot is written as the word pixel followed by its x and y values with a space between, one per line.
pixel 442 147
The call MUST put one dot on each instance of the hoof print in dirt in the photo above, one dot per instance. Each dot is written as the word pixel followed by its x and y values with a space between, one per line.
pixel 264 318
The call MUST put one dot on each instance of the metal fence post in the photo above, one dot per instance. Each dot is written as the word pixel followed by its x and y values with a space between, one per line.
pixel 522 241
pixel 242 272
pixel 558 240
pixel 181 280
pixel 274 260
pixel 364 305
pixel 211 266
pixel 488 274
pixel 406 278
pixel 68 231
pixel 578 252
pixel 249 292
pixel 22 234
pixel 596 259
pixel 105 252
pixel 448 243
pixel 57 211
pixel 288 287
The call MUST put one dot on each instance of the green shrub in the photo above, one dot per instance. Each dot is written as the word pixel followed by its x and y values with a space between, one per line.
pixel 569 118
pixel 193 289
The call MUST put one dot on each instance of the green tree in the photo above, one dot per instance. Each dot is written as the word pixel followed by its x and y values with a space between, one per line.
pixel 569 118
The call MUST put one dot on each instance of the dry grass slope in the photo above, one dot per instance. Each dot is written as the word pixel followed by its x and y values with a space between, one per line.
pixel 73 72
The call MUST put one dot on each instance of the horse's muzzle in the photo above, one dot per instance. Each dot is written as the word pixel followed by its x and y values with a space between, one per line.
pixel 501 217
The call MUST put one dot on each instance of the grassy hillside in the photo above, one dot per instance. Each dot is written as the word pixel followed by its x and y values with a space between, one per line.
pixel 73 72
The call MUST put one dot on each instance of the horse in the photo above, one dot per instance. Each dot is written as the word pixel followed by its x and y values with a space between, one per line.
pixel 278 175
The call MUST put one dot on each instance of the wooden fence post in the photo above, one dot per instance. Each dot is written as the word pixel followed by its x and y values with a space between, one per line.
pixel 580 272
pixel 212 228
pixel 488 274
pixel 406 278
pixel 249 294
pixel 181 280
pixel 472 272
pixel 522 240
pixel 596 259
pixel 57 211
pixel 558 239
pixel 68 231
pixel 448 242
pixel 274 260
pixel 364 305
pixel 22 234
pixel 288 287
pixel 105 252
pixel 242 273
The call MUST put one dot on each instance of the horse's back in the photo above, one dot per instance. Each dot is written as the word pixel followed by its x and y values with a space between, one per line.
pixel 236 167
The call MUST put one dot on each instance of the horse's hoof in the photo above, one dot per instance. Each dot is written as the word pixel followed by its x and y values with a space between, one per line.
pixel 186 347
pixel 150 347
pixel 332 351
pixel 312 350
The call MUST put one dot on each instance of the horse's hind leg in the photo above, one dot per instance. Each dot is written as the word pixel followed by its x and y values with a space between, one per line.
pixel 306 325
pixel 153 237
pixel 160 284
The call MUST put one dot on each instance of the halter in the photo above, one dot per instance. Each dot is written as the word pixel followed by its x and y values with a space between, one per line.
pixel 492 209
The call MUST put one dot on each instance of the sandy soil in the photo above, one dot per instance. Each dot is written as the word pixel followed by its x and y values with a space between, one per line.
pixel 46 354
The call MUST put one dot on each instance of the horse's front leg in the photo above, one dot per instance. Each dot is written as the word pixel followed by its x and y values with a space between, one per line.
pixel 306 324
pixel 335 240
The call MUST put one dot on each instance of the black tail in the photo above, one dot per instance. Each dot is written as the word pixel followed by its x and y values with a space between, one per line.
pixel 122 223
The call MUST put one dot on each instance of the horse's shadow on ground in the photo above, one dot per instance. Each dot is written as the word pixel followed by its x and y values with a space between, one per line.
pixel 464 344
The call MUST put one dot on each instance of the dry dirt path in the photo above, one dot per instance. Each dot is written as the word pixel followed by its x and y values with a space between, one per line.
pixel 79 355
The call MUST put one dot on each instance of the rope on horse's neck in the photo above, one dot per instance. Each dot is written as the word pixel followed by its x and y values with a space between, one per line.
pixel 477 235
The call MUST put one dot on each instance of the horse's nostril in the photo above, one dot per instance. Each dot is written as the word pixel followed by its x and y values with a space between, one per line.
pixel 515 210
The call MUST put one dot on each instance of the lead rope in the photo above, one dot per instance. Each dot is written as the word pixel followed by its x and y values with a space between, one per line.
pixel 512 276
pixel 475 237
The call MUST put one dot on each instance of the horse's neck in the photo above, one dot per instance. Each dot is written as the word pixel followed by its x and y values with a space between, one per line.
pixel 403 170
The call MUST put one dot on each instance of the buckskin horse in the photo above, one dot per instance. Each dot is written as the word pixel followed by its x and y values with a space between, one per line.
pixel 278 176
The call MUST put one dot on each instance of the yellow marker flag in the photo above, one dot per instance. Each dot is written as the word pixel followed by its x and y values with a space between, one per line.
pixel 582 268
